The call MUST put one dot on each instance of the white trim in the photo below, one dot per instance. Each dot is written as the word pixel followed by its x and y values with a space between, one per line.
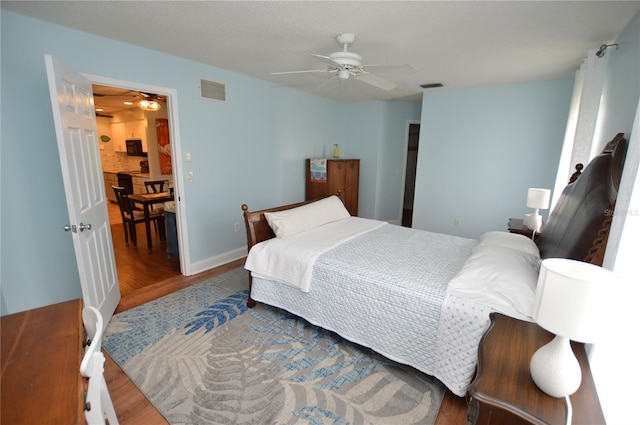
pixel 218 260
pixel 176 147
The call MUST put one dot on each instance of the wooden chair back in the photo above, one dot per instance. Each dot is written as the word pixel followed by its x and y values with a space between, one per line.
pixel 156 186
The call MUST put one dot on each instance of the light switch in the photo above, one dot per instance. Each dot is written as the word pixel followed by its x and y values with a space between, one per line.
pixel 190 176
pixel 187 156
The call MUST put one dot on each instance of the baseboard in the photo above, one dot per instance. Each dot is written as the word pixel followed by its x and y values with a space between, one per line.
pixel 218 260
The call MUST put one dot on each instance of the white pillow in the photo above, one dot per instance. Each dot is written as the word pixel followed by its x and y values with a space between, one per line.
pixel 296 220
pixel 510 240
pixel 500 277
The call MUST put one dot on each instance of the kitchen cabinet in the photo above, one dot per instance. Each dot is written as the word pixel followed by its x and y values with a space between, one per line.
pixel 121 131
pixel 137 130
pixel 118 136
pixel 110 179
pixel 138 182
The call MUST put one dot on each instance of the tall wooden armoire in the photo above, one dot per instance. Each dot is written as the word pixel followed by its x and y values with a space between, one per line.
pixel 340 177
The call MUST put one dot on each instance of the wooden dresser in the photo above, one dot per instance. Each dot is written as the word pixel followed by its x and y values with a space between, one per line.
pixel 342 179
pixel 503 391
pixel 41 355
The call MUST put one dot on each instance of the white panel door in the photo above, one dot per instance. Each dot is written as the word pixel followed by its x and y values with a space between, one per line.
pixel 76 131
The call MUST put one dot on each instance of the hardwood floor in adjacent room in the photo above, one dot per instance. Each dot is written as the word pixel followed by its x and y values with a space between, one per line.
pixel 138 266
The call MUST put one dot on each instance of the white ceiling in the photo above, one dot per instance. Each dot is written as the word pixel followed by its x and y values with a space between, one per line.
pixel 456 43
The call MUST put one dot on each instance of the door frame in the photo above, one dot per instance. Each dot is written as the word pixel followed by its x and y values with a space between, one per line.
pixel 176 154
pixel 405 154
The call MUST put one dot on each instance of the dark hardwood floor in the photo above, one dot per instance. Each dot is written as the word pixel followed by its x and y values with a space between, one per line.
pixel 146 275
pixel 138 266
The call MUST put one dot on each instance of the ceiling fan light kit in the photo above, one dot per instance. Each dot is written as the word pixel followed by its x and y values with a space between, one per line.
pixel 149 105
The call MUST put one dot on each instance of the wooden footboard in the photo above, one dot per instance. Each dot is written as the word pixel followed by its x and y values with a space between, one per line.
pixel 258 230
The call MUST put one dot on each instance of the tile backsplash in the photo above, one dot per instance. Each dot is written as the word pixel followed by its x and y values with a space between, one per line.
pixel 119 161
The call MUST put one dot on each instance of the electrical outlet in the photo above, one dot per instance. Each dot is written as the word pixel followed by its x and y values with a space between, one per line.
pixel 236 227
pixel 456 222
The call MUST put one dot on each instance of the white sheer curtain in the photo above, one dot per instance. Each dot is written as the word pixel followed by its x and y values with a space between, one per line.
pixel 583 119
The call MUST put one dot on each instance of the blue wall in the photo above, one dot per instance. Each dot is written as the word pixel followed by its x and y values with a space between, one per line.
pixel 250 149
pixel 482 148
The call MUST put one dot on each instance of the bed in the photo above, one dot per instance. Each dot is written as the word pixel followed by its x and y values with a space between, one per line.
pixel 420 298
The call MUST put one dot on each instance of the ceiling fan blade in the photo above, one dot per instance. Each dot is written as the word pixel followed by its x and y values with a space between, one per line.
pixel 300 72
pixel 376 81
pixel 326 84
pixel 390 68
pixel 328 60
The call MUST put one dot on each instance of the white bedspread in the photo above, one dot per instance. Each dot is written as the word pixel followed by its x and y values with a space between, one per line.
pixel 386 289
pixel 291 260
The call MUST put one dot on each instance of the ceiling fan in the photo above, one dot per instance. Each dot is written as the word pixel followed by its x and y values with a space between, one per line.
pixel 344 64
pixel 114 99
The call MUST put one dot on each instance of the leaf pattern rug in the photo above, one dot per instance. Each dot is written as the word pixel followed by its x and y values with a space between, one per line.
pixel 202 357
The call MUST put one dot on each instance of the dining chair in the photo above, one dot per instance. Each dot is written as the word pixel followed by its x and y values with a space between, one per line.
pixel 156 186
pixel 131 217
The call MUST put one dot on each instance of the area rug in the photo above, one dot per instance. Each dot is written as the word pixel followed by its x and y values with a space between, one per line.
pixel 202 357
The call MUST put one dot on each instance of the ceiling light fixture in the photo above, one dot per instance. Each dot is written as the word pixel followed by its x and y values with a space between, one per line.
pixel 600 52
pixel 149 105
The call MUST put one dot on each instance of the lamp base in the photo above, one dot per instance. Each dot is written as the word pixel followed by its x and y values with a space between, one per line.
pixel 555 369
pixel 527 219
pixel 534 221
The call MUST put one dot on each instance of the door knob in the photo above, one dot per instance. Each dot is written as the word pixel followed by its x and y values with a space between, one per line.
pixel 82 227
pixel 71 228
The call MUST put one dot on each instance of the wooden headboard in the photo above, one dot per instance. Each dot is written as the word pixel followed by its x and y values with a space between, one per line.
pixel 578 227
pixel 258 230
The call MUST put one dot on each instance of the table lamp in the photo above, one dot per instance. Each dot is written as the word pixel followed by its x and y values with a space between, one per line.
pixel 537 199
pixel 571 301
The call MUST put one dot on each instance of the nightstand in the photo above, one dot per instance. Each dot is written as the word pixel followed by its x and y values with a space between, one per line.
pixel 516 225
pixel 503 391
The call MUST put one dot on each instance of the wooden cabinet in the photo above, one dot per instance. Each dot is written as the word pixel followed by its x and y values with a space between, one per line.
pixel 138 183
pixel 341 179
pixel 118 136
pixel 503 391
pixel 121 131
pixel 137 130
pixel 41 355
pixel 110 179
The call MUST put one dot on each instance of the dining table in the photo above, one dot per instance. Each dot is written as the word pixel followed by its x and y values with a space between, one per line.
pixel 147 200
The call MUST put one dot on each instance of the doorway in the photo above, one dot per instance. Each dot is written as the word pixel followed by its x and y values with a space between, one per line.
pixel 413 140
pixel 117 107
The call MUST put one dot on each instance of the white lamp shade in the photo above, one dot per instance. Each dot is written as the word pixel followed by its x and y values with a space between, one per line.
pixel 538 198
pixel 572 298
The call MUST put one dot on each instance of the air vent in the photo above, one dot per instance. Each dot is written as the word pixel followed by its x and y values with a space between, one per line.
pixel 431 86
pixel 213 90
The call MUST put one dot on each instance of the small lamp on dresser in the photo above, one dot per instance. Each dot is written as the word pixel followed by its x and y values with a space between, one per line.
pixel 537 199
pixel 571 301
